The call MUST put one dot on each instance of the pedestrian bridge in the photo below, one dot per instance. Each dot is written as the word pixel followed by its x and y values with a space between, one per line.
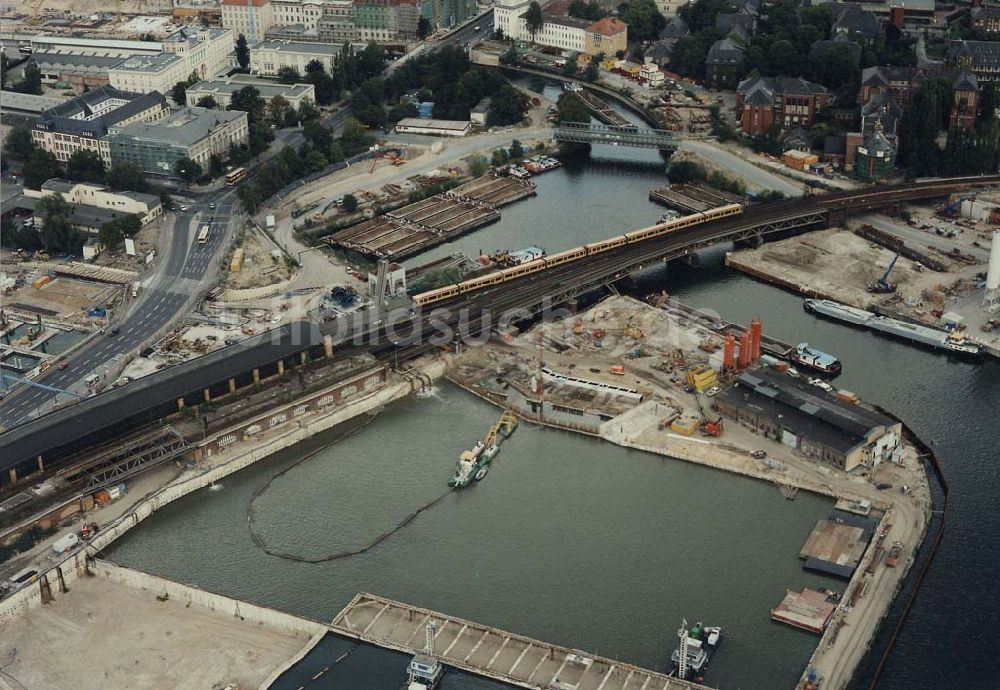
pixel 580 133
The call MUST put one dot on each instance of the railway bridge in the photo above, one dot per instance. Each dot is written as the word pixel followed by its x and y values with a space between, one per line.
pixel 581 133
pixel 74 434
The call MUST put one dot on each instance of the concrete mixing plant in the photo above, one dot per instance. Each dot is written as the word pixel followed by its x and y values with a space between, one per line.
pixel 991 301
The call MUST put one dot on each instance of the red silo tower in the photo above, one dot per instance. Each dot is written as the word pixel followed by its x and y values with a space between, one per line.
pixel 729 353
pixel 755 331
pixel 744 349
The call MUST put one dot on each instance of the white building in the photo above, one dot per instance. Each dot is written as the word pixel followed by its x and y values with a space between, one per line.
pixel 146 206
pixel 252 18
pixel 222 91
pixel 267 57
pixel 506 17
pixel 438 128
pixel 205 53
pixel 566 33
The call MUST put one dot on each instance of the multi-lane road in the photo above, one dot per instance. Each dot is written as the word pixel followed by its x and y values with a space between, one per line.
pixel 178 277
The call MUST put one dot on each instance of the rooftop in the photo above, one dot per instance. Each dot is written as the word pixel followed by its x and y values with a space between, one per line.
pixel 93 112
pixel 267 89
pixel 563 20
pixel 184 126
pixel 26 102
pixel 93 43
pixel 435 124
pixel 297 47
pixel 149 63
pixel 609 26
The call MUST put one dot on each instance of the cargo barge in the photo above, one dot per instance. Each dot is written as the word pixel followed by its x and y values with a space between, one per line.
pixel 936 338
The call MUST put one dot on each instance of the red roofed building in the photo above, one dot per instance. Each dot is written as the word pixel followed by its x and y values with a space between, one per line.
pixel 608 36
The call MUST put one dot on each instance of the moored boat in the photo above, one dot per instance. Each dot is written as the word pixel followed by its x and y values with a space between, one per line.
pixel 817 360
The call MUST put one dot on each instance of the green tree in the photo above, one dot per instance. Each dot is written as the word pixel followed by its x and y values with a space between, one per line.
pixel 307 111
pixel 323 85
pixel 85 166
pixel 571 67
pixel 581 9
pixel 242 52
pixel 401 110
pixel 248 100
pixel 14 237
pixel 355 137
pixel 215 165
pixel 40 166
pixel 187 169
pixel 569 108
pixel 688 56
pixel 498 157
pixel 533 19
pixel 260 138
pixel 289 75
pixel 31 80
pixel 179 93
pixel 58 234
pixel 478 166
pixel 593 71
pixel 318 136
pixel 113 233
pixel 507 106
pixel 18 142
pixel 3 70
pixel 207 102
pixel 350 203
pixel 424 28
pixel 516 150
pixel 644 20
pixel 683 172
pixel 125 177
pixel 276 109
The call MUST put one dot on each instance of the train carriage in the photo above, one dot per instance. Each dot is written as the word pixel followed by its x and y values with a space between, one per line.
pixel 564 257
pixel 606 245
pixel 436 295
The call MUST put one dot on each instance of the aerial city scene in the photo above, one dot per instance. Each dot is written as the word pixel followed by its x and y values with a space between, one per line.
pixel 487 344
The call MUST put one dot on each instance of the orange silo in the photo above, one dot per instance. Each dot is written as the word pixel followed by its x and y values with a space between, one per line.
pixel 755 332
pixel 744 349
pixel 729 353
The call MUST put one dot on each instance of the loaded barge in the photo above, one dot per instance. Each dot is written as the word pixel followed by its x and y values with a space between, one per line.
pixel 924 335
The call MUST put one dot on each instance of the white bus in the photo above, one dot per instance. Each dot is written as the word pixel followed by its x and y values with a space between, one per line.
pixel 203 234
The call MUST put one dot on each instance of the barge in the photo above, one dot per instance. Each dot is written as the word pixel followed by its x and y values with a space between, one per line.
pixel 936 338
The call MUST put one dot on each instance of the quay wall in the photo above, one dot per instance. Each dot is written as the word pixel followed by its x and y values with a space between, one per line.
pixel 55 581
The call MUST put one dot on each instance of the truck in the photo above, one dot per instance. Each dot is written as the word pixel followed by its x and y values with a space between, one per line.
pixel 135 289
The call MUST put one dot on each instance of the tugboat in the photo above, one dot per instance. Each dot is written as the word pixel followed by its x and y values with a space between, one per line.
pixel 697 644
pixel 814 359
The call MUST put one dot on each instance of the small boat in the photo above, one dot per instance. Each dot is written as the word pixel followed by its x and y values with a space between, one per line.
pixel 699 643
pixel 472 465
pixel 424 673
pixel 814 359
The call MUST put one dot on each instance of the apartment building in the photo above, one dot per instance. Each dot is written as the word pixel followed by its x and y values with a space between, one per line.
pixel 82 123
pixel 252 18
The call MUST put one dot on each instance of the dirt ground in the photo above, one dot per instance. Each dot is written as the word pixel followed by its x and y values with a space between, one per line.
pixel 113 636
pixel 259 267
pixel 66 296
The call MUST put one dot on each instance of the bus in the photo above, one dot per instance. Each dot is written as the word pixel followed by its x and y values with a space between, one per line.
pixel 203 234
pixel 236 176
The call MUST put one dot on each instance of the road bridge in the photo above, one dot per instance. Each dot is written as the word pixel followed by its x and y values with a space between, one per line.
pixel 580 133
pixel 59 437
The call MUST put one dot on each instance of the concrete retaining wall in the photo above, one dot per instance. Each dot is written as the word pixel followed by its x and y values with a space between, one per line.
pixel 75 565
pixel 244 294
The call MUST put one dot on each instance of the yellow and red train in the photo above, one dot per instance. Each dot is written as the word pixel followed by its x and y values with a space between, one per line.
pixel 652 232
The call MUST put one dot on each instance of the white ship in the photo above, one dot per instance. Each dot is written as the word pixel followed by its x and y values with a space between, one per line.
pixel 925 335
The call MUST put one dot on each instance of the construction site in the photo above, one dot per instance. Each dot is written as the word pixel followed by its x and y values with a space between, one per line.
pixel 927 267
pixel 693 198
pixel 424 224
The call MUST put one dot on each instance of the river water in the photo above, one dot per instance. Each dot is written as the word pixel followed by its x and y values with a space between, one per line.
pixel 578 542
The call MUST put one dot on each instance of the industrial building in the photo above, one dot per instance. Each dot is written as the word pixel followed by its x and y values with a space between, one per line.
pixel 809 419
pixel 222 91
pixel 438 128
pixel 146 206
pixel 83 122
pixel 194 133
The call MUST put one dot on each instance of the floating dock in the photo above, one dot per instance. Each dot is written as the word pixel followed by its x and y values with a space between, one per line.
pixel 493 653
pixel 809 610
pixel 837 543
pixel 442 217
pixel 693 198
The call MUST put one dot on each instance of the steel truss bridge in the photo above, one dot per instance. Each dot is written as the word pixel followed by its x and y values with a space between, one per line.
pixel 581 133
pixel 99 422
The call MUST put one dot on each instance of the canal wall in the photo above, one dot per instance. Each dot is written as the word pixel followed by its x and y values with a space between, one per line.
pixel 55 581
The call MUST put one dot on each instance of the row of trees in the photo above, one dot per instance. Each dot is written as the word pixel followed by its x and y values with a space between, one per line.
pixel 319 150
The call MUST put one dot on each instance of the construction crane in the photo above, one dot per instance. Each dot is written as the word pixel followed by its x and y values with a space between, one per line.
pixel 707 427
pixel 505 425
pixel 882 286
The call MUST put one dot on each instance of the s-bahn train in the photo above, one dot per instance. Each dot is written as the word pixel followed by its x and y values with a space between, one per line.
pixel 652 232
